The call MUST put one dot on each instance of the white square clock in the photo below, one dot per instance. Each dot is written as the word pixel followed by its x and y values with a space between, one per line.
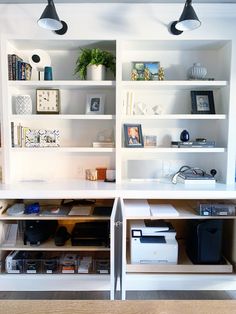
pixel 47 100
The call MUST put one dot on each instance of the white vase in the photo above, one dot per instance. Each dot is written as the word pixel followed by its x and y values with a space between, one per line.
pixel 23 104
pixel 96 72
pixel 197 72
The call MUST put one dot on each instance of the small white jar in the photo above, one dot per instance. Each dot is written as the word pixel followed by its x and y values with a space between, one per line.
pixel 23 104
pixel 197 72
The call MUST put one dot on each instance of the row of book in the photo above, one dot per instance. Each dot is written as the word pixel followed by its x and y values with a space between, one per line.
pixel 18 69
pixel 193 144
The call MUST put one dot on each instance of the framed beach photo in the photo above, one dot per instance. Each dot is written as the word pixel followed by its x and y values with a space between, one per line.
pixel 133 135
pixel 95 104
pixel 145 71
pixel 202 102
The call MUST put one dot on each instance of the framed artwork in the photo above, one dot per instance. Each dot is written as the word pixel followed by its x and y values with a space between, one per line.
pixel 150 140
pixel 48 100
pixel 133 135
pixel 145 71
pixel 202 102
pixel 95 104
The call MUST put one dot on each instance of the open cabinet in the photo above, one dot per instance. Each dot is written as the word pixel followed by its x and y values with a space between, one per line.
pixel 31 266
pixel 152 271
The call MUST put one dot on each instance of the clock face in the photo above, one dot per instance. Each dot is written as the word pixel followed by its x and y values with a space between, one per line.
pixel 48 100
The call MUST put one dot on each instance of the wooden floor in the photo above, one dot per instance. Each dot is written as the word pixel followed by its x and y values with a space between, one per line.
pixel 117 307
pixel 131 295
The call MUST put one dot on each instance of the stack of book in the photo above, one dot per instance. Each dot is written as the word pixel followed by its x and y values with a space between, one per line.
pixel 103 144
pixel 196 178
pixel 193 144
pixel 18 69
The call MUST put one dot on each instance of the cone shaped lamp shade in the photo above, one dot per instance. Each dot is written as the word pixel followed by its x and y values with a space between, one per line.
pixel 188 19
pixel 49 19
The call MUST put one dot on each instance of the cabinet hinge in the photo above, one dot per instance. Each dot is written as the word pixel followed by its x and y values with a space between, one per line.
pixel 118 223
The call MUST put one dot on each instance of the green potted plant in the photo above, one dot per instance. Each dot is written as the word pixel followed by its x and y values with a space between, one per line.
pixel 92 63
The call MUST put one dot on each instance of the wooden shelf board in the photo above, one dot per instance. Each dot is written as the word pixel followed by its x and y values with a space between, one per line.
pixel 50 246
pixel 46 217
pixel 184 266
pixel 185 212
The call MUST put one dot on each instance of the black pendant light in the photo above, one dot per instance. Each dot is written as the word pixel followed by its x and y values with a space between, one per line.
pixel 50 20
pixel 188 20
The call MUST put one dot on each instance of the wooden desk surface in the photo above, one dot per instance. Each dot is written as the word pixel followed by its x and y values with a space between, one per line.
pixel 117 307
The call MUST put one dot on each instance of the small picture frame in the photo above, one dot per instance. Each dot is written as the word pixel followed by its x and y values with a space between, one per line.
pixel 133 135
pixel 95 104
pixel 202 102
pixel 150 140
pixel 145 71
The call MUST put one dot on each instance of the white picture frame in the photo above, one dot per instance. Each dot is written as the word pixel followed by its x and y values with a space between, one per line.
pixel 95 104
pixel 42 138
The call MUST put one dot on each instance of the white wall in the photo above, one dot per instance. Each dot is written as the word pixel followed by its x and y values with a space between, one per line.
pixel 119 20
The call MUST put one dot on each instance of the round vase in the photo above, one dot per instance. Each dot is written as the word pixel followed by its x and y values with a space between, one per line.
pixel 197 72
pixel 23 104
pixel 184 136
pixel 96 72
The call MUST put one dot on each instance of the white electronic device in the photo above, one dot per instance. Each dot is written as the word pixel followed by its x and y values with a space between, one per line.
pixel 153 242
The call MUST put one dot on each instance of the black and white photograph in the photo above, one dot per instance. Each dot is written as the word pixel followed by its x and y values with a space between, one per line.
pixel 95 104
pixel 202 102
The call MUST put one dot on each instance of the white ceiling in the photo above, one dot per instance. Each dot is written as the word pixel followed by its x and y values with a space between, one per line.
pixel 117 1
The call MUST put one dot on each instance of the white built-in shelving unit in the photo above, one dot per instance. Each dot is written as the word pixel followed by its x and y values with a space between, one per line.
pixel 59 173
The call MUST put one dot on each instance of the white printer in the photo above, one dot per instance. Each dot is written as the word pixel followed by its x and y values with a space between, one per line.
pixel 153 242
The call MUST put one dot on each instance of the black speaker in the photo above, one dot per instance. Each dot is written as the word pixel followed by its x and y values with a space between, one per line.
pixel 204 241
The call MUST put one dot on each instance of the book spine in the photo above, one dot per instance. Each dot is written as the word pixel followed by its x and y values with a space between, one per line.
pixel 28 71
pixel 10 72
pixel 14 67
pixel 19 135
pixel 15 60
pixel 12 135
pixel 23 71
pixel 19 74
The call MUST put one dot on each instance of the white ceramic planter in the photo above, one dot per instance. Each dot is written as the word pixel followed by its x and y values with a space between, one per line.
pixel 96 72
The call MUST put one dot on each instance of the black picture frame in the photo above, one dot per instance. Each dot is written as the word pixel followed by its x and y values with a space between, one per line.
pixel 133 135
pixel 202 102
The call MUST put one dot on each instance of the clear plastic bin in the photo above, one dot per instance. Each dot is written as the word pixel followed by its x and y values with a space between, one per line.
pixel 50 266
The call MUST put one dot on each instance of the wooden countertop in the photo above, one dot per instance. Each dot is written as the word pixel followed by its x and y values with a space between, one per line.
pixel 117 307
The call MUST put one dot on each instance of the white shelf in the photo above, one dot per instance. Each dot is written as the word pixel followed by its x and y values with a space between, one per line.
pixel 50 246
pixel 18 117
pixel 176 117
pixel 61 84
pixel 54 217
pixel 187 84
pixel 63 150
pixel 153 150
pixel 55 282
